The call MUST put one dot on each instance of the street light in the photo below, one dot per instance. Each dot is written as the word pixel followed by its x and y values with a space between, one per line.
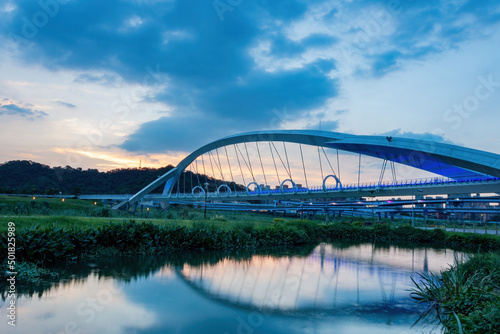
pixel 413 207
pixel 206 194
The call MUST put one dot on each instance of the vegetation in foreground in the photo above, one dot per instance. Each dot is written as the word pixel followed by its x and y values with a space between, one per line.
pixel 49 243
pixel 466 297
pixel 51 232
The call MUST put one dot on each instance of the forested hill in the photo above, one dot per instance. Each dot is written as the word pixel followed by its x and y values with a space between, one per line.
pixel 28 177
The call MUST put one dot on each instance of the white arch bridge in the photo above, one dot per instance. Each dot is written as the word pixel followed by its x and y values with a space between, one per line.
pixel 258 159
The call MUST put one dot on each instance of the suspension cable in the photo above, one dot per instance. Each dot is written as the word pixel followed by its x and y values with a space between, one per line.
pixel 212 166
pixel 190 170
pixel 320 165
pixel 328 160
pixel 244 160
pixel 261 164
pixel 279 156
pixel 204 171
pixel 382 172
pixel 338 163
pixel 220 165
pixel 287 161
pixel 230 169
pixel 239 164
pixel 197 172
pixel 359 169
pixel 274 162
pixel 249 162
pixel 184 181
pixel 393 167
pixel 303 165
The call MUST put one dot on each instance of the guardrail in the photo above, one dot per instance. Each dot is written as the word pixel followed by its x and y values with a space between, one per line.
pixel 421 182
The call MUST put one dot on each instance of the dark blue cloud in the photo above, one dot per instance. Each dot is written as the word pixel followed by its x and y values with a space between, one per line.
pixel 385 62
pixel 26 111
pixel 324 126
pixel 66 104
pixel 412 135
pixel 102 79
pixel 281 46
pixel 212 81
pixel 261 92
pixel 419 23
pixel 177 133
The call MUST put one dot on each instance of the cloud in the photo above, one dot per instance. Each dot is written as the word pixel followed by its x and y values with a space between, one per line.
pixel 235 107
pixel 173 134
pixel 25 111
pixel 66 104
pixel 211 81
pixel 103 79
pixel 420 136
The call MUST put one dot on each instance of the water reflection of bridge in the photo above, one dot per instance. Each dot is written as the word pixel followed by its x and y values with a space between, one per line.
pixel 359 278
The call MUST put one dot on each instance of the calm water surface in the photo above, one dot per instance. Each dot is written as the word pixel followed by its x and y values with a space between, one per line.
pixel 331 288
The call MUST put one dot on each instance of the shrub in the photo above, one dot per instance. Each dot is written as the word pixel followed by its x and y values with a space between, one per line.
pixel 220 218
pixel 465 296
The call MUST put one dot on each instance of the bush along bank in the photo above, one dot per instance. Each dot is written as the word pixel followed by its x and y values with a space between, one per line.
pixel 465 298
pixel 51 245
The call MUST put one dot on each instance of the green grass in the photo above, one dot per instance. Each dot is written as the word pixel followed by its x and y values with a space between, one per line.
pixel 55 203
pixel 94 222
pixel 53 212
pixel 465 297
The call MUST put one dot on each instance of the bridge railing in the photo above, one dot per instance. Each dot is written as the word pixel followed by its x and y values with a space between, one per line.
pixel 419 182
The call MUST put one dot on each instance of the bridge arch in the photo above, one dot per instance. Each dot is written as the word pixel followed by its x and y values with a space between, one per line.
pixel 294 185
pixel 223 186
pixel 202 191
pixel 338 183
pixel 444 159
pixel 248 186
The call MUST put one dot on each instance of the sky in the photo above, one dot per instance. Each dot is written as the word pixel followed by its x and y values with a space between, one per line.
pixel 112 84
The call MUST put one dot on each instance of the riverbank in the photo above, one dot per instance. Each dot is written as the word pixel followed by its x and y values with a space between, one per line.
pixel 465 297
pixel 47 244
pixel 41 247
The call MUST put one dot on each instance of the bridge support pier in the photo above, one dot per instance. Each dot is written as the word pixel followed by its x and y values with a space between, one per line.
pixel 327 216
pixel 379 216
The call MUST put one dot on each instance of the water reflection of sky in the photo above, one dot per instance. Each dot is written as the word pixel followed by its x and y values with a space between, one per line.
pixel 358 289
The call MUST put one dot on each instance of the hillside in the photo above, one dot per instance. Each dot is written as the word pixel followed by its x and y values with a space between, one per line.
pixel 28 177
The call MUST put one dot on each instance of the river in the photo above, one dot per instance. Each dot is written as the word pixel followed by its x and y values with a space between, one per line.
pixel 328 288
